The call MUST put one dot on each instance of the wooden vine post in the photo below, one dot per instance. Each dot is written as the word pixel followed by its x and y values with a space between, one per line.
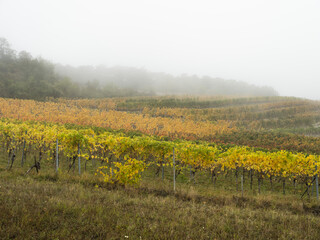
pixel 162 168
pixel 57 155
pixel 251 178
pixel 79 159
pixel 242 186
pixel 317 183
pixel 174 173
pixel 23 153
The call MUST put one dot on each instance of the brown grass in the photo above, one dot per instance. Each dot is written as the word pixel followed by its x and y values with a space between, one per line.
pixel 47 206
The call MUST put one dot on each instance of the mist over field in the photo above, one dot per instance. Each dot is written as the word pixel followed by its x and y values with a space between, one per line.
pixel 171 47
pixel 158 119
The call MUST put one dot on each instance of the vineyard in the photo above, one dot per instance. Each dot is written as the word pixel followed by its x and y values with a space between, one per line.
pixel 143 120
pixel 168 138
pixel 69 113
pixel 212 154
pixel 143 151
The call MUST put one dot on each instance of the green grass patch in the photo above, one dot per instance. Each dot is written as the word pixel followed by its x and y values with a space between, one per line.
pixel 67 206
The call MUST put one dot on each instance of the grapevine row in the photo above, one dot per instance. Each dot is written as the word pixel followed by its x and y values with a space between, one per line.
pixel 126 157
pixel 67 113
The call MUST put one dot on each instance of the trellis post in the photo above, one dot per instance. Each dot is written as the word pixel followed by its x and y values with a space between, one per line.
pixel 174 172
pixel 317 183
pixel 57 155
pixel 79 159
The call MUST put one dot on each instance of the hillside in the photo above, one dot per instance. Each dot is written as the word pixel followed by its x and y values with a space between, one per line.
pixel 144 81
pixel 26 77
pixel 172 167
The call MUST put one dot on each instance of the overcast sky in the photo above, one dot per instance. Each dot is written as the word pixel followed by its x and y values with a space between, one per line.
pixel 272 42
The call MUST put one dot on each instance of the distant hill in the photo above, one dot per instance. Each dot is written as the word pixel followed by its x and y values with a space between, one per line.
pixel 26 77
pixel 143 81
pixel 23 76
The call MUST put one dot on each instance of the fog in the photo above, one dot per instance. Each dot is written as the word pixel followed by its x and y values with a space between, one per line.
pixel 273 43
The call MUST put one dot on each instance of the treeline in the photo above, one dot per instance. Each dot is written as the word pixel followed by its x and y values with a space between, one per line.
pixel 23 76
pixel 142 80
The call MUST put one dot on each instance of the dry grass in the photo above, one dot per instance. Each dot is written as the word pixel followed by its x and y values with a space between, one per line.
pixel 47 206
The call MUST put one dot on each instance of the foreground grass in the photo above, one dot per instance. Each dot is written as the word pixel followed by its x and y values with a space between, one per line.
pixel 47 206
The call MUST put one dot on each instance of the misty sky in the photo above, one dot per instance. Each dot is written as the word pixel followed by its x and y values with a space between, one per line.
pixel 272 42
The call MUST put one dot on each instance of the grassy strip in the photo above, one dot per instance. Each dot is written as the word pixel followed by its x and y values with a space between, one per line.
pixel 47 206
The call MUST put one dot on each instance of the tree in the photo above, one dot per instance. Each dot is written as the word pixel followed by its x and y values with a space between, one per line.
pixel 5 50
